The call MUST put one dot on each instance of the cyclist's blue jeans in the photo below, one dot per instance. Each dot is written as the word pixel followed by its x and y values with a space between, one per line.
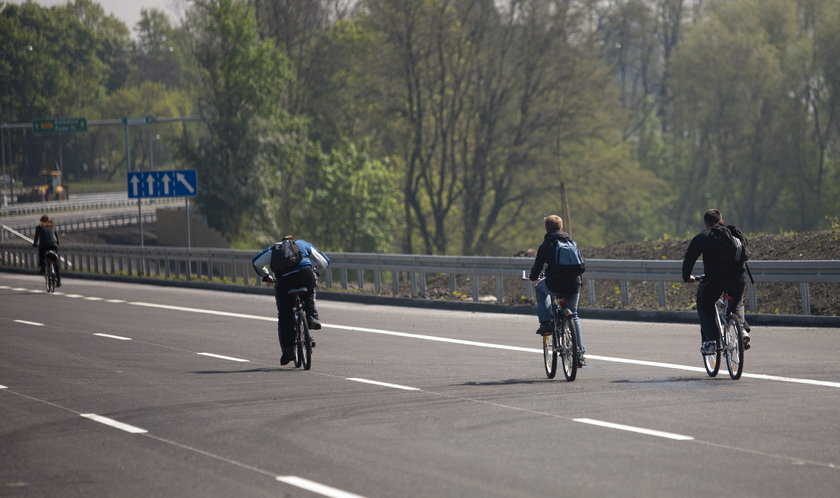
pixel 544 309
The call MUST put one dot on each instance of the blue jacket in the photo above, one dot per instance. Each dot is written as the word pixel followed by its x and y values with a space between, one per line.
pixel 311 257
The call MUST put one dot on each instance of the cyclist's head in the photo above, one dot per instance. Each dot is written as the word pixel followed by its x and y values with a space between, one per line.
pixel 553 223
pixel 712 217
pixel 45 220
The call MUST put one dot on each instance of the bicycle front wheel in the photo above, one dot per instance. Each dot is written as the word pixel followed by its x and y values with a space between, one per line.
pixel 550 354
pixel 733 347
pixel 306 339
pixel 569 354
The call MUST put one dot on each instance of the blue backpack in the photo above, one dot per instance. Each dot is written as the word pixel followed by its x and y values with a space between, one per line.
pixel 568 259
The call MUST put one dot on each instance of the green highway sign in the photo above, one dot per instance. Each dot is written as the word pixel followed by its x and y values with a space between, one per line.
pixel 142 120
pixel 63 125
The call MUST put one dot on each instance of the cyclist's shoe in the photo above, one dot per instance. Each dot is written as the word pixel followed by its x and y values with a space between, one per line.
pixel 314 324
pixel 746 326
pixel 708 347
pixel 286 358
pixel 546 328
pixel 58 283
pixel 746 337
pixel 581 361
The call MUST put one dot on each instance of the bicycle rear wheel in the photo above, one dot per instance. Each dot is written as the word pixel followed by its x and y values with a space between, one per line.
pixel 712 361
pixel 550 354
pixel 299 320
pixel 733 347
pixel 569 354
pixel 49 276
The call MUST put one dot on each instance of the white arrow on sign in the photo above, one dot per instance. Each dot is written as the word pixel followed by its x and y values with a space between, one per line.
pixel 150 180
pixel 134 182
pixel 166 181
pixel 183 180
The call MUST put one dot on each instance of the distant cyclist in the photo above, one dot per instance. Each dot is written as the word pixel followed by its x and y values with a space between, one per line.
pixel 302 274
pixel 46 239
pixel 724 273
pixel 562 276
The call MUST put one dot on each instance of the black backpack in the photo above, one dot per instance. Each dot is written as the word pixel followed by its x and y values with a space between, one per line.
pixel 729 244
pixel 285 256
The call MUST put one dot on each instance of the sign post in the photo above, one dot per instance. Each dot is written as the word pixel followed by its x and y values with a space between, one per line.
pixel 127 121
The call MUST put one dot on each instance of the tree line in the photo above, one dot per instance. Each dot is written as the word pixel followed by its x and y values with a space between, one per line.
pixel 451 126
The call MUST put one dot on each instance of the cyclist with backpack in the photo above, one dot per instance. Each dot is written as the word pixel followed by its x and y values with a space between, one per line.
pixel 724 253
pixel 295 264
pixel 563 264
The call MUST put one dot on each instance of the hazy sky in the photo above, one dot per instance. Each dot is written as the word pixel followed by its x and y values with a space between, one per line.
pixel 126 10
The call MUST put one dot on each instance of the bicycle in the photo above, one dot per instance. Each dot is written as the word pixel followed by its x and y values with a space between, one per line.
pixel 50 272
pixel 303 341
pixel 730 343
pixel 561 342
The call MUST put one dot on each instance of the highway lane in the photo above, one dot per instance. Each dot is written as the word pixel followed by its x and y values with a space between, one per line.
pixel 400 402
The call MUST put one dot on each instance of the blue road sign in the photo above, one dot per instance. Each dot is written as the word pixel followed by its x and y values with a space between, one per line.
pixel 173 183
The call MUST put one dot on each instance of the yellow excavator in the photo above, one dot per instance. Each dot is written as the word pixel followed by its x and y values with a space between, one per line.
pixel 50 186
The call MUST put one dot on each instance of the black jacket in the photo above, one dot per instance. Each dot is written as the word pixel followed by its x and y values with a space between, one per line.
pixel 562 281
pixel 45 237
pixel 714 268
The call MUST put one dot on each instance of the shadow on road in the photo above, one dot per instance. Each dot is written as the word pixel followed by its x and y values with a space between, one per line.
pixel 251 370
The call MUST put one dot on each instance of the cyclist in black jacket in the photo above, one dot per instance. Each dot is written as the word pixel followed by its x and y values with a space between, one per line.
pixel 560 280
pixel 46 239
pixel 721 276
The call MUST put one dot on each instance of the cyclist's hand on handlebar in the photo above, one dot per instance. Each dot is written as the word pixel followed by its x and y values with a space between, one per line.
pixel 692 279
pixel 268 279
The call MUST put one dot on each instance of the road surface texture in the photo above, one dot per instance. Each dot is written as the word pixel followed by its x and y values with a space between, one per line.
pixel 113 389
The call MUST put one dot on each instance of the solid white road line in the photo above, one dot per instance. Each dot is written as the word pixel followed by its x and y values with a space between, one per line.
pixel 3 387
pixel 384 384
pixel 29 323
pixel 315 487
pixel 231 358
pixel 109 336
pixel 630 428
pixel 205 311
pixel 113 423
pixel 674 366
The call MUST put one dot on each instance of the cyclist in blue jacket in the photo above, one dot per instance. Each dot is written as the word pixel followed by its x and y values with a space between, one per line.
pixel 312 261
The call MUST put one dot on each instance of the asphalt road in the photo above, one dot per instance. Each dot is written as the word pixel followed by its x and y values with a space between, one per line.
pixel 110 389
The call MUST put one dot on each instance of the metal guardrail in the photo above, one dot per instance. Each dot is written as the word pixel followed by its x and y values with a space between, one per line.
pixel 78 202
pixel 87 223
pixel 374 272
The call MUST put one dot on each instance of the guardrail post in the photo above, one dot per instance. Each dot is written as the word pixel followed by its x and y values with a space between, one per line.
pixel 377 281
pixel 590 289
pixel 453 283
pixel 753 305
pixel 412 277
pixel 625 293
pixel 662 294
pixel 395 282
pixel 360 278
pixel 475 288
pixel 344 278
pixel 806 299
pixel 423 284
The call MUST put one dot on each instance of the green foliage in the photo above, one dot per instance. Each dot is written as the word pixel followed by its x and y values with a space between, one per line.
pixel 242 78
pixel 354 208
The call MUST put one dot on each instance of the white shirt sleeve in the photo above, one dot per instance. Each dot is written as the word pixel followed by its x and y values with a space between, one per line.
pixel 319 260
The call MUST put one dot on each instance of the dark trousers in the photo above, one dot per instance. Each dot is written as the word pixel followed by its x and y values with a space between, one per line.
pixel 285 317
pixel 707 295
pixel 42 250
